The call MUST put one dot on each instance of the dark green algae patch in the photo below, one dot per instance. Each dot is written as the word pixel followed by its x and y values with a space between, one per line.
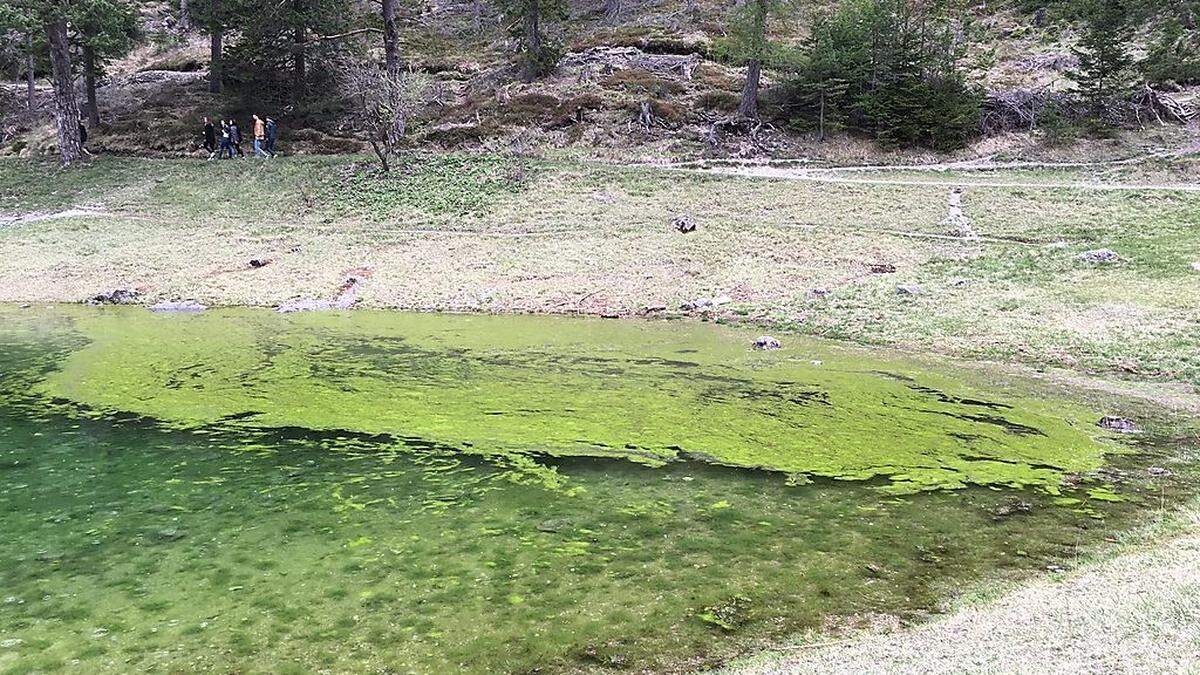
pixel 243 491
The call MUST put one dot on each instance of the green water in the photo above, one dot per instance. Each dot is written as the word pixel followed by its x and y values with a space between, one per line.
pixel 240 491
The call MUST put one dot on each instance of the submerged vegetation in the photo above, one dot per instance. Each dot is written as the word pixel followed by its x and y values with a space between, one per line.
pixel 536 387
pixel 403 492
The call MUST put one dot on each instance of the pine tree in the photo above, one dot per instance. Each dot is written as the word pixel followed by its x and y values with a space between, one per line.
pixel 538 54
pixel 104 30
pixel 1103 51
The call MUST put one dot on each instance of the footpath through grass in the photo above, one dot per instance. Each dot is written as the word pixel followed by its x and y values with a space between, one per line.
pixel 497 234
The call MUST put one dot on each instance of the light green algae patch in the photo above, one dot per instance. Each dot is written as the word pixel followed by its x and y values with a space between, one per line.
pixel 528 387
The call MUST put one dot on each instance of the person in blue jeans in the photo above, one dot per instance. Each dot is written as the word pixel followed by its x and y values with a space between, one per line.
pixel 272 134
pixel 260 136
pixel 226 141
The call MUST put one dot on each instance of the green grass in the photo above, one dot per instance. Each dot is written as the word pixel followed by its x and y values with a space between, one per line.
pixel 568 237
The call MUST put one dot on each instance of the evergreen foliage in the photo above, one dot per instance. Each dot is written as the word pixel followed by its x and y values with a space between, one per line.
pixel 1174 53
pixel 1105 65
pixel 539 54
pixel 892 69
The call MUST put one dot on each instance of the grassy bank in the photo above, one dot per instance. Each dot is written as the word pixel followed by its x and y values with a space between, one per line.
pixel 495 234
pixel 1129 607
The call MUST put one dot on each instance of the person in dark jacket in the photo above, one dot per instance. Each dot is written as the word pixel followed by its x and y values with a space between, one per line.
pixel 235 136
pixel 210 138
pixel 83 137
pixel 226 141
pixel 272 135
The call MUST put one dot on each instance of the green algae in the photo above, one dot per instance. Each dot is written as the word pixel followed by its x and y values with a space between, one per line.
pixel 531 387
pixel 152 525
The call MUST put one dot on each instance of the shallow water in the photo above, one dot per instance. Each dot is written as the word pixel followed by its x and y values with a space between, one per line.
pixel 244 491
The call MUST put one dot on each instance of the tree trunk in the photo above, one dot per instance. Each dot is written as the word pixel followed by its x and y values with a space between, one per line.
pixel 748 108
pixel 391 47
pixel 533 40
pixel 299 74
pixel 30 87
pixel 66 108
pixel 89 79
pixel 185 17
pixel 215 30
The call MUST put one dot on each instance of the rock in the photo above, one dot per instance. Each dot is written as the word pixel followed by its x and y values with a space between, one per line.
pixel 120 296
pixel 169 534
pixel 721 300
pixel 259 262
pixel 908 289
pixel 653 309
pixel 1011 507
pixel 959 283
pixel 697 304
pixel 1118 424
pixel 11 643
pixel 818 292
pixel 684 224
pixel 1159 472
pixel 1101 256
pixel 1196 266
pixel 553 525
pixel 956 220
pixel 767 342
pixel 178 306
pixel 881 268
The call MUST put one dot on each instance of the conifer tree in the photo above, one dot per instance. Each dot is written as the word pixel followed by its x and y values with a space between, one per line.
pixel 1103 51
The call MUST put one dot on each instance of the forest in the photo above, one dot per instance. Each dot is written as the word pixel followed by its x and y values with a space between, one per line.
pixel 903 73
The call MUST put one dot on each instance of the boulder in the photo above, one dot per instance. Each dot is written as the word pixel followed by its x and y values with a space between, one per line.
pixel 881 268
pixel 908 289
pixel 177 307
pixel 1101 256
pixel 684 223
pixel 1118 424
pixel 1196 266
pixel 120 296
pixel 767 342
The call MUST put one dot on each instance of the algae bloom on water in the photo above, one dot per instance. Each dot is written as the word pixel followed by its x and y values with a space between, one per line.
pixel 507 386
pixel 369 492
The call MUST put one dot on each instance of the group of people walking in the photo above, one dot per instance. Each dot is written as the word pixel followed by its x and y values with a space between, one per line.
pixel 228 140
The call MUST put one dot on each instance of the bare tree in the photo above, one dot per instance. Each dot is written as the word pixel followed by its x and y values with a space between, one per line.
pixel 382 104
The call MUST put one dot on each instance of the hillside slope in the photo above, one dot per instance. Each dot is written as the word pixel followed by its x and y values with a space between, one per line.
pixel 643 84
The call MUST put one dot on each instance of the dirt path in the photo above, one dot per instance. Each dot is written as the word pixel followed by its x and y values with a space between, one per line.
pixel 796 170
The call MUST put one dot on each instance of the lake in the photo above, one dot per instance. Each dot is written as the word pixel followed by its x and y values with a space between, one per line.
pixel 239 490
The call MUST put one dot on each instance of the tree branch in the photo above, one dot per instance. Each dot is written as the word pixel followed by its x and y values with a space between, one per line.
pixel 339 36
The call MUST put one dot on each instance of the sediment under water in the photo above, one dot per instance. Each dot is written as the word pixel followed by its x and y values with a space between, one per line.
pixel 239 490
